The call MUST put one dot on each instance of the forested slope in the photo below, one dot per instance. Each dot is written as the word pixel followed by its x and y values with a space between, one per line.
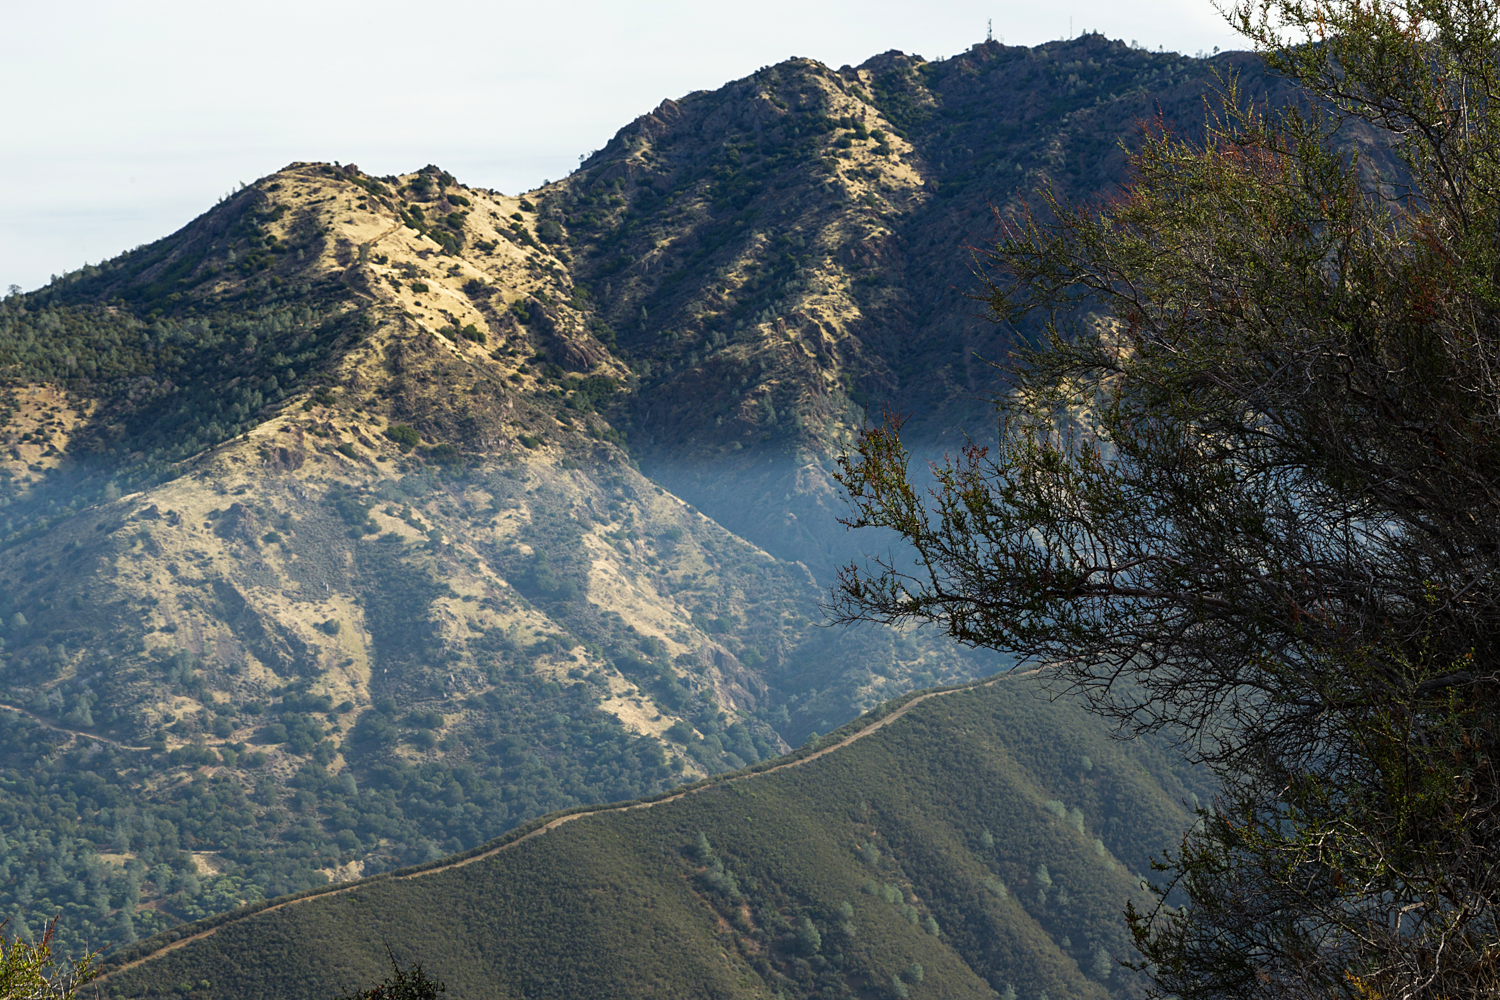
pixel 987 836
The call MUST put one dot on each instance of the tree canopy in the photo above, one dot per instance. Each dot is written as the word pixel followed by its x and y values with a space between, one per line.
pixel 1247 488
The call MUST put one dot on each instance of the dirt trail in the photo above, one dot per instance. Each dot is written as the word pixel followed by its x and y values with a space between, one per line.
pixel 71 732
pixel 846 741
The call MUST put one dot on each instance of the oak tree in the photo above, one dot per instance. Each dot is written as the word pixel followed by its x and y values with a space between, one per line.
pixel 1247 489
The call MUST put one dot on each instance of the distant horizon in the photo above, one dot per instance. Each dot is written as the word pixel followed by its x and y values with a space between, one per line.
pixel 136 124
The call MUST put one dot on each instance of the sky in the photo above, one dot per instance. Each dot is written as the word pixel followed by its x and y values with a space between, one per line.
pixel 125 120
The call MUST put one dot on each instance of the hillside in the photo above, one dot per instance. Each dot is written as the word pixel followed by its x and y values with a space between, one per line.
pixel 784 253
pixel 366 518
pixel 986 836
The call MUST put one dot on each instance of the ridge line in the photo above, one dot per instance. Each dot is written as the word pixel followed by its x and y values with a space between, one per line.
pixel 559 821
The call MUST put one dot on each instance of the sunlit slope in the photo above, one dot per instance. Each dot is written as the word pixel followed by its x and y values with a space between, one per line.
pixel 987 836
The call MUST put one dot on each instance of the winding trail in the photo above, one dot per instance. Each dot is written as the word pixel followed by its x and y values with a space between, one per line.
pixel 874 727
pixel 71 732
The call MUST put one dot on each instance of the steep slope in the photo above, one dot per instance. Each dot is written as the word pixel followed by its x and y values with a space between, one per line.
pixel 984 836
pixel 366 518
pixel 783 253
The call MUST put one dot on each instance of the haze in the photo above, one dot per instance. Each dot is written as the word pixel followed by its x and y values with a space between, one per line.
pixel 126 121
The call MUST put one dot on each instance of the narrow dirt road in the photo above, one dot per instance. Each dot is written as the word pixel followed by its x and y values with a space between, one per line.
pixel 549 827
pixel 71 732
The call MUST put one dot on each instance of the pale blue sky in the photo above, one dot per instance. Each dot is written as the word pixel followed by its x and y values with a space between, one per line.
pixel 124 120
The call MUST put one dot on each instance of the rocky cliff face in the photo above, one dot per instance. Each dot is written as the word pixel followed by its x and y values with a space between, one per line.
pixel 388 512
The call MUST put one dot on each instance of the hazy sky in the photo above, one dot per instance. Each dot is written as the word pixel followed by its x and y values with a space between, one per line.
pixel 124 120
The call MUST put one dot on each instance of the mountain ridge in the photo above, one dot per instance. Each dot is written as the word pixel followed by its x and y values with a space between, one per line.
pixel 816 837
pixel 390 513
pixel 884 716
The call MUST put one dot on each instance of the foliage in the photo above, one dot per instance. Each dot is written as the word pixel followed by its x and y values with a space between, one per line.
pixel 749 887
pixel 1245 491
pixel 166 388
pixel 29 970
pixel 402 984
pixel 404 435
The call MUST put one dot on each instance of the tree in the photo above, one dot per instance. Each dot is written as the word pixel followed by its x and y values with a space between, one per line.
pixel 30 970
pixel 809 941
pixel 402 984
pixel 1247 490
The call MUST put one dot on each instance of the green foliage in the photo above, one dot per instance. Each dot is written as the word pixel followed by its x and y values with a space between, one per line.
pixel 404 435
pixel 591 392
pixel 749 887
pixel 1241 490
pixel 168 387
pixel 30 971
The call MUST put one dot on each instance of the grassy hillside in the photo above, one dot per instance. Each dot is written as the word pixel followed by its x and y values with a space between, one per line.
pixel 987 836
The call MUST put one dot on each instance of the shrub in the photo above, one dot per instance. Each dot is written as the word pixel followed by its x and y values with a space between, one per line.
pixel 29 970
pixel 405 436
pixel 809 941
pixel 402 984
pixel 444 454
pixel 419 287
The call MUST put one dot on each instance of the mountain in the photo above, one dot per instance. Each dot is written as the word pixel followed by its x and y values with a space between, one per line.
pixel 366 518
pixel 969 843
